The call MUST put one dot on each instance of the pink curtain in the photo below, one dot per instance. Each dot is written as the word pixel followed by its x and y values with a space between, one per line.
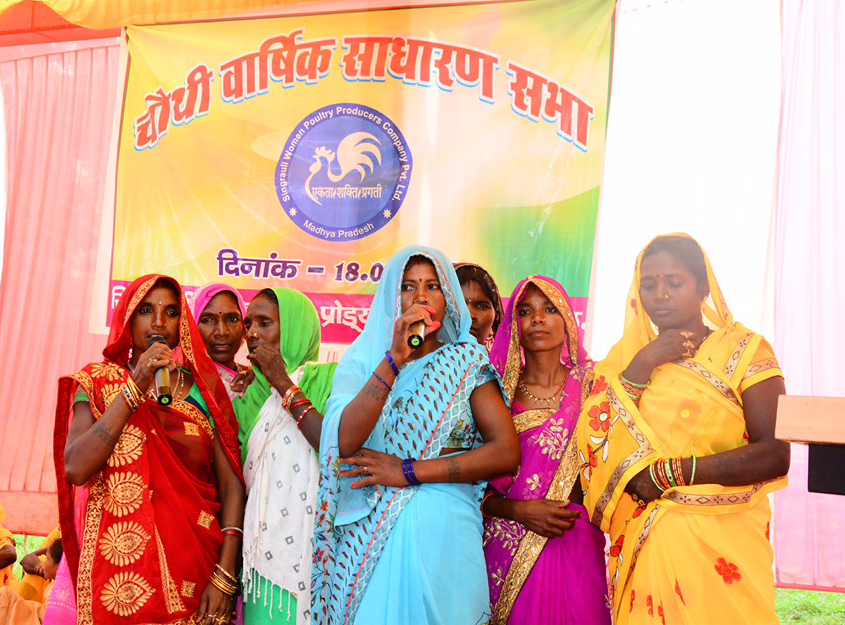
pixel 58 111
pixel 810 273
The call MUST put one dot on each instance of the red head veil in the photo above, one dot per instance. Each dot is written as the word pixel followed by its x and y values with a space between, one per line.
pixel 190 353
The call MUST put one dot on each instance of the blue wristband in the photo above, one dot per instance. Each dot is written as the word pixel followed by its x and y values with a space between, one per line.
pixel 408 472
pixel 381 379
pixel 392 363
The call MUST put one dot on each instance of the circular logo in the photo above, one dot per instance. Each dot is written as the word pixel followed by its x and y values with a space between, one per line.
pixel 343 172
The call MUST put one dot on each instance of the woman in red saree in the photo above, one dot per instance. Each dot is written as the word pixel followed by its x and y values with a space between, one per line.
pixel 151 497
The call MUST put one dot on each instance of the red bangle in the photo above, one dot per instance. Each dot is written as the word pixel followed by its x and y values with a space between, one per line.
pixel 299 402
pixel 288 396
pixel 303 413
pixel 231 533
pixel 484 500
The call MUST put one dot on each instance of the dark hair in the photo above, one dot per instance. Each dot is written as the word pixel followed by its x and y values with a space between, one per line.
pixel 418 258
pixel 167 283
pixel 269 294
pixel 687 251
pixel 469 272
pixel 55 550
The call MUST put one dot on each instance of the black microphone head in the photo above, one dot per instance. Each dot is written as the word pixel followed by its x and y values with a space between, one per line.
pixel 155 339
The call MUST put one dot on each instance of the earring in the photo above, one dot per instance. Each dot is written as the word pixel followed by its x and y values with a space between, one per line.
pixel 521 356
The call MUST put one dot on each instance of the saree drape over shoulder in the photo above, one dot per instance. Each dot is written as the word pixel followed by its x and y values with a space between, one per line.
pixel 699 553
pixel 142 537
pixel 281 473
pixel 411 554
pixel 535 579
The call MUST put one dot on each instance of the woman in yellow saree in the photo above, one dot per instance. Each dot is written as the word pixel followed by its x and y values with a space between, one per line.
pixel 677 450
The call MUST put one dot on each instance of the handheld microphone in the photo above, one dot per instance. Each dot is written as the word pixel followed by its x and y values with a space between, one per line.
pixel 161 378
pixel 417 335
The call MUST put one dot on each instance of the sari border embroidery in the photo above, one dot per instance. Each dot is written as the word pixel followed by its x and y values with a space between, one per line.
pixel 511 376
pixel 531 419
pixel 185 338
pixel 710 377
pixel 736 355
pixel 139 295
pixel 172 600
pixel 87 383
pixel 720 499
pixel 84 586
pixel 760 366
pixel 644 449
pixel 531 544
pixel 129 446
pixel 194 414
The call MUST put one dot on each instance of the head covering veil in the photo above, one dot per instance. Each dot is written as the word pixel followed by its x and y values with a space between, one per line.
pixel 205 294
pixel 639 329
pixel 414 423
pixel 299 344
pixel 367 351
pixel 505 353
pixel 189 353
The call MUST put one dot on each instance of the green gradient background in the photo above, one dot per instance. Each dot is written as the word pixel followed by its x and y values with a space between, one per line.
pixel 561 239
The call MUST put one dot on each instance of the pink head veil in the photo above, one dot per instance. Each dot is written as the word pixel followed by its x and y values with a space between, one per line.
pixel 505 353
pixel 206 293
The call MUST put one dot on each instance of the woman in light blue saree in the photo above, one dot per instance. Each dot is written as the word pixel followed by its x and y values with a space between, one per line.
pixel 408 439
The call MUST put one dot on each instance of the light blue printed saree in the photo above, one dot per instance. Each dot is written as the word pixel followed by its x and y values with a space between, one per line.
pixel 410 554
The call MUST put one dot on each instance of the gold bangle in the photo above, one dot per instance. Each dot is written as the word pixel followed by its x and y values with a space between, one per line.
pixel 222 586
pixel 216 576
pixel 133 388
pixel 130 400
pixel 226 573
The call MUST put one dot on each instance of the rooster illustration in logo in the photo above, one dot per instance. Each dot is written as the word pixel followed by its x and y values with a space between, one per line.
pixel 358 152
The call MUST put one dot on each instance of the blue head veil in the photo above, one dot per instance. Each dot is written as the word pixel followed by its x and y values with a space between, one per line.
pixel 367 351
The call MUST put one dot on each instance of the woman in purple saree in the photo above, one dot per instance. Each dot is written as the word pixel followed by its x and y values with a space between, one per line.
pixel 545 560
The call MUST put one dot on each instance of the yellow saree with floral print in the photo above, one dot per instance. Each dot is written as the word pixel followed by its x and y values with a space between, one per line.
pixel 698 554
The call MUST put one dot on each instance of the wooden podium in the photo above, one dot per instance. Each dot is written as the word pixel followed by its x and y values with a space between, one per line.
pixel 820 423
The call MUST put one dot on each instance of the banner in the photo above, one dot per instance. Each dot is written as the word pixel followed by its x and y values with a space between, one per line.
pixel 304 151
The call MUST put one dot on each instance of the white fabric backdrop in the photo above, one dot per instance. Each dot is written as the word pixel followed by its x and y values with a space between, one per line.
pixel 692 144
pixel 810 273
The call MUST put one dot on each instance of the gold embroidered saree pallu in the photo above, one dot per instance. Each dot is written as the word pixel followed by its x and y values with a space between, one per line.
pixel 150 535
pixel 699 553
pixel 141 538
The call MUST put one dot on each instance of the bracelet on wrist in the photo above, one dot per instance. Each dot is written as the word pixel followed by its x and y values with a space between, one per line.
pixel 382 380
pixel 130 400
pixel 303 413
pixel 484 499
pixel 408 472
pixel 296 403
pixel 287 398
pixel 391 362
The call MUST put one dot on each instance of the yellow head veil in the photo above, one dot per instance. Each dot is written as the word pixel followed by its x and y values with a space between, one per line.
pixel 639 329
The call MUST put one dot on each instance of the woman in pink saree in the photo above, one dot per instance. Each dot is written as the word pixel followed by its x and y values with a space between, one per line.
pixel 545 560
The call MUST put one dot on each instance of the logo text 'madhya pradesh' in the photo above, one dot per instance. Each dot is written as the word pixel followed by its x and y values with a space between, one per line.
pixel 343 172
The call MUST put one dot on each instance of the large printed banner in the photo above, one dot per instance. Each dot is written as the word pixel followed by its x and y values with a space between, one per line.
pixel 304 151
